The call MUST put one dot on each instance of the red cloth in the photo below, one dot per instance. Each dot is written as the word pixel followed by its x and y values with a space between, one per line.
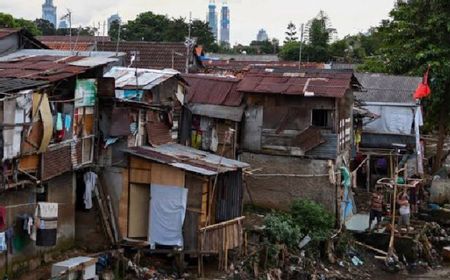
pixel 423 90
pixel 2 218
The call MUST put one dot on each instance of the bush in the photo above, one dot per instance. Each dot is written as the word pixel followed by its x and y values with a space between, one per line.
pixel 312 217
pixel 281 228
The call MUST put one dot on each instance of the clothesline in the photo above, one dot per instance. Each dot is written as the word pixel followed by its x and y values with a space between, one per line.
pixel 27 204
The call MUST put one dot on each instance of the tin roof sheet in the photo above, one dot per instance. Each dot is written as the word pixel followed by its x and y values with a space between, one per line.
pixel 146 78
pixel 187 158
pixel 12 84
pixel 214 90
pixel 314 83
pixel 50 65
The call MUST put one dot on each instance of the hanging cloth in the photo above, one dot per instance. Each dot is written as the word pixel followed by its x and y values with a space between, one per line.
pixel 3 246
pixel 47 223
pixel 2 218
pixel 90 180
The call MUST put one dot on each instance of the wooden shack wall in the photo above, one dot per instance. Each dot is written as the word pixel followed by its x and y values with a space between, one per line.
pixel 272 123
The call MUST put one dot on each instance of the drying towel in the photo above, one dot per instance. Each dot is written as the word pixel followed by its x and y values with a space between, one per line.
pixel 2 218
pixel 47 210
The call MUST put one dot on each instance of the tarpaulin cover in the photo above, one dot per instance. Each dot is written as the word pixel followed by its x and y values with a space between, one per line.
pixel 167 212
pixel 393 119
pixel 85 93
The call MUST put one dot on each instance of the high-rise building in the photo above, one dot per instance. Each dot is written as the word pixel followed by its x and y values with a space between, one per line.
pixel 262 36
pixel 49 12
pixel 113 18
pixel 225 24
pixel 63 24
pixel 212 18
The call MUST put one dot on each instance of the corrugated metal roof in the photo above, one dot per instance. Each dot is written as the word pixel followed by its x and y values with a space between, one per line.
pixel 62 38
pixel 153 55
pixel 308 83
pixel 146 78
pixel 12 84
pixel 187 158
pixel 217 111
pixel 215 90
pixel 386 88
pixel 50 65
pixel 25 53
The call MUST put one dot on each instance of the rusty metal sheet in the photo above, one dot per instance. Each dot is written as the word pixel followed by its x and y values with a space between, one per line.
pixel 307 84
pixel 214 90
pixel 158 133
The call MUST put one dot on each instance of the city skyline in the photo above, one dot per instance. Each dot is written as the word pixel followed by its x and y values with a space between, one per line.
pixel 249 15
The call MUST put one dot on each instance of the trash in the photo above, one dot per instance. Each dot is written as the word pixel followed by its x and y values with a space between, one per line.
pixel 356 261
pixel 304 242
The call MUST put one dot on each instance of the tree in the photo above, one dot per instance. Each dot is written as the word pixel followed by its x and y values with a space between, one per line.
pixel 417 35
pixel 8 21
pixel 158 28
pixel 290 51
pixel 291 33
pixel 319 33
pixel 45 27
pixel 202 32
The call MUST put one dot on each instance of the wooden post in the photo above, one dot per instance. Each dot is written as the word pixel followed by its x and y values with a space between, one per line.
pixel 369 171
pixel 394 200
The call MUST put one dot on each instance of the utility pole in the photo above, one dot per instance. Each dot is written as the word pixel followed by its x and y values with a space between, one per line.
pixel 301 46
pixel 188 43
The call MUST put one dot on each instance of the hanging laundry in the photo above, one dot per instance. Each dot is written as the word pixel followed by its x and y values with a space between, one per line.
pixel 2 218
pixel 214 140
pixel 90 180
pixel 3 246
pixel 47 223
pixel 28 224
pixel 67 122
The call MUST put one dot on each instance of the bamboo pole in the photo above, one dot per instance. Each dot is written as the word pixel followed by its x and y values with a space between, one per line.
pixel 394 199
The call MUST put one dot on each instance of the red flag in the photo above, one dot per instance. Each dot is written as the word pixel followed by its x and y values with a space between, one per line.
pixel 423 89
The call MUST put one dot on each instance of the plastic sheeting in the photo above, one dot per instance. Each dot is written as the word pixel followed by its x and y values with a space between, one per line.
pixel 167 212
pixel 393 119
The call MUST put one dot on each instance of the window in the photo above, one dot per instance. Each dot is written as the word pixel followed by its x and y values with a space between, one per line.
pixel 321 118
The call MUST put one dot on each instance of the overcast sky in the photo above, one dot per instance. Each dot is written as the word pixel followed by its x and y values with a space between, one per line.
pixel 247 16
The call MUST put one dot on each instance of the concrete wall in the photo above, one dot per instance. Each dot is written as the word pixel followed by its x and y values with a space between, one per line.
pixel 25 256
pixel 279 191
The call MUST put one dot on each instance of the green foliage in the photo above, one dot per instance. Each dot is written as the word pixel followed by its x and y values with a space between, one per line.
pixel 45 27
pixel 313 218
pixel 159 28
pixel 291 33
pixel 305 218
pixel 8 21
pixel 290 51
pixel 281 228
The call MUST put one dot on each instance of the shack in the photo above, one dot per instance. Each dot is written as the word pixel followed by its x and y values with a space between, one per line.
pixel 212 114
pixel 394 135
pixel 297 134
pixel 179 196
pixel 47 112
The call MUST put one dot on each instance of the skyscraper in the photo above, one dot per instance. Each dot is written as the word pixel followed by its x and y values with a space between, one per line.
pixel 212 18
pixel 113 18
pixel 225 24
pixel 49 12
pixel 262 36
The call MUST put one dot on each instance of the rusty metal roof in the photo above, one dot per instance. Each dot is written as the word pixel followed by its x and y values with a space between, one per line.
pixel 153 55
pixel 50 65
pixel 214 90
pixel 187 158
pixel 307 83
